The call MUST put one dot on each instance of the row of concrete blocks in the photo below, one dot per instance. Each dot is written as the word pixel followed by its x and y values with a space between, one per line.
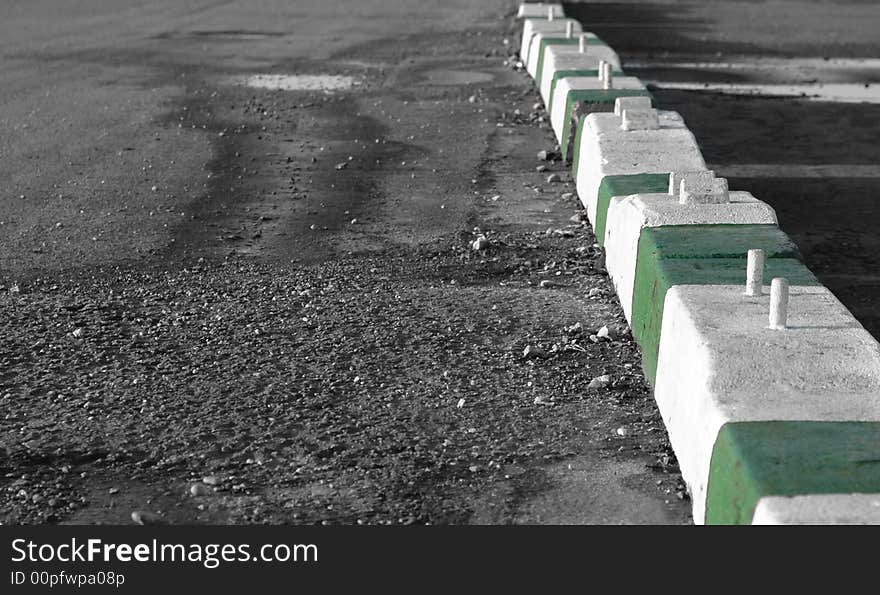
pixel 771 398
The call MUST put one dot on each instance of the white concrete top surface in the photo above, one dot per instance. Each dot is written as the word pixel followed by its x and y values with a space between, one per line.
pixel 534 53
pixel 605 149
pixel 576 83
pixel 532 27
pixel 605 123
pixel 628 215
pixel 603 52
pixel 719 363
pixel 818 509
pixel 529 10
pixel 554 62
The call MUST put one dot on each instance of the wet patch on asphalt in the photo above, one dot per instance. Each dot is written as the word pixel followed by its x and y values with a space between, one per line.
pixel 294 82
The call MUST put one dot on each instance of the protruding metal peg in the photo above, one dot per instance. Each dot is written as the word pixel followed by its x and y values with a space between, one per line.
pixel 779 303
pixel 755 272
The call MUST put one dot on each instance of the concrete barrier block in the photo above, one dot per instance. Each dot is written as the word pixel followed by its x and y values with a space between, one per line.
pixel 721 370
pixel 538 10
pixel 556 67
pixel 821 509
pixel 546 49
pixel 628 215
pixel 603 149
pixel 543 41
pixel 577 97
pixel 624 185
pixel 564 63
pixel 702 255
pixel 796 468
pixel 533 27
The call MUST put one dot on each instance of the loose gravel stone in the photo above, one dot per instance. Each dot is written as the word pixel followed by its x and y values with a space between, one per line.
pixel 143 517
pixel 600 382
pixel 200 489
pixel 533 351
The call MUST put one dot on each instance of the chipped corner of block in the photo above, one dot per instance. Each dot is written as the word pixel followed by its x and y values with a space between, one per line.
pixel 694 177
pixel 639 119
pixel 637 103
pixel 703 188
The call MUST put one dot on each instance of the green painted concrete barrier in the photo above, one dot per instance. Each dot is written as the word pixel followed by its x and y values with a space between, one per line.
pixel 598 97
pixel 624 185
pixel 649 297
pixel 701 255
pixel 751 460
pixel 560 74
pixel 542 49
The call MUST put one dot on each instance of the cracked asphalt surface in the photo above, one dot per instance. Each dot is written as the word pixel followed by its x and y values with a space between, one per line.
pixel 223 304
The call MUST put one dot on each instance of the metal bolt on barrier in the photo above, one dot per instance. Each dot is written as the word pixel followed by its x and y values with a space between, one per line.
pixel 569 29
pixel 755 272
pixel 550 13
pixel 779 303
pixel 607 76
pixel 582 44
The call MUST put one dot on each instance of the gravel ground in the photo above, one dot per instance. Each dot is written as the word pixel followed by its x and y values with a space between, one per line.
pixel 390 388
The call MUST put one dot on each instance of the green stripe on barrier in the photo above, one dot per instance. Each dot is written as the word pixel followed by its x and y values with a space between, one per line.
pixel 576 153
pixel 751 460
pixel 624 185
pixel 560 74
pixel 701 255
pixel 598 96
pixel 719 241
pixel 558 41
